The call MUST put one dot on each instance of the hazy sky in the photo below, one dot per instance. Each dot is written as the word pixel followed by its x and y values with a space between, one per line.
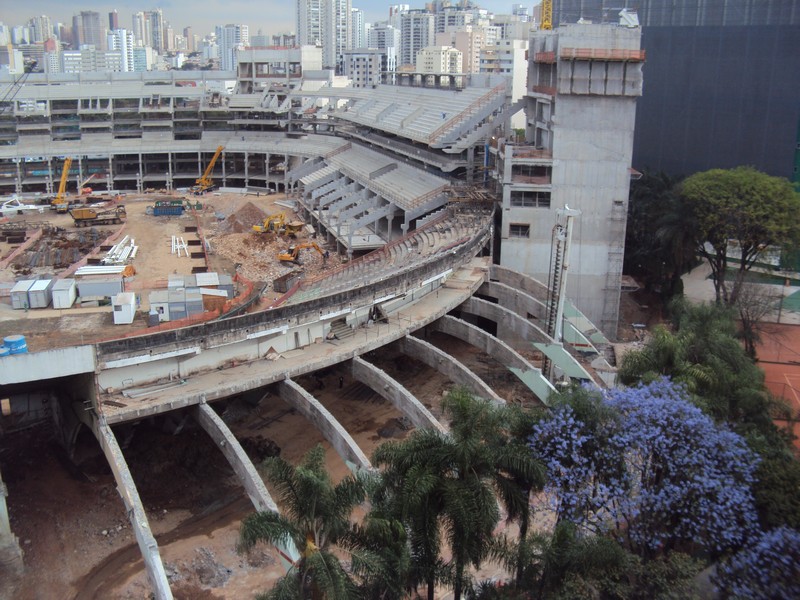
pixel 272 16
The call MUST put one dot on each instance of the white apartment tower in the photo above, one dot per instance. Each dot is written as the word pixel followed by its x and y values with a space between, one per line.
pixel 583 83
pixel 309 22
pixel 121 40
pixel 231 38
pixel 156 37
pixel 337 32
pixel 41 29
pixel 359 34
pixel 417 29
pixel 439 60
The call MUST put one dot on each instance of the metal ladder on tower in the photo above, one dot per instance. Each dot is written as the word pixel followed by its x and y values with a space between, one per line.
pixel 616 253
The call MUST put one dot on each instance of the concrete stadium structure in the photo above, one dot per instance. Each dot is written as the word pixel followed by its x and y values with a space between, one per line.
pixel 402 172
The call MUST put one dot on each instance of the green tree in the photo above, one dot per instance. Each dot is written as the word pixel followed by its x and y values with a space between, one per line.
pixel 445 488
pixel 316 519
pixel 741 208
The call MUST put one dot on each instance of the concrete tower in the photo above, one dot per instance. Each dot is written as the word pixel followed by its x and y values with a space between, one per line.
pixel 89 29
pixel 230 39
pixel 583 83
pixel 417 30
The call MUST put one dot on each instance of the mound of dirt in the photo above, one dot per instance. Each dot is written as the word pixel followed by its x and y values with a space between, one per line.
pixel 243 219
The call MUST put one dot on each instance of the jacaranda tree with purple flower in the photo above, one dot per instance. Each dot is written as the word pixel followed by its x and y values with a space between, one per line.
pixel 646 465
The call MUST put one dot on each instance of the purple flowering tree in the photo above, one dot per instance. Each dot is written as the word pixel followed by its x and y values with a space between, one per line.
pixel 648 466
pixel 769 568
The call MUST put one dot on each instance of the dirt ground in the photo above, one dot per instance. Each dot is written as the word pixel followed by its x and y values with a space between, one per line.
pixel 225 224
pixel 71 521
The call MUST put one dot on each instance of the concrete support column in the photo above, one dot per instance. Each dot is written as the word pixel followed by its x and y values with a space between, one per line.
pixel 11 565
pixel 331 429
pixel 246 169
pixel 133 506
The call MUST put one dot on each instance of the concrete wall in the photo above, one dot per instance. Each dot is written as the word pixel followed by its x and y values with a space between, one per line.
pixel 49 364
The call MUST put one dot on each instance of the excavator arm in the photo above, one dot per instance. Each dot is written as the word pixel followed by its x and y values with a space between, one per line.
pixel 294 251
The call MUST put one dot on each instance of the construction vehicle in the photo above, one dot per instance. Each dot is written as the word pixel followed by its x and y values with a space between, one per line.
pixel 292 254
pixel 204 183
pixel 60 203
pixel 277 223
pixel 82 189
pixel 88 217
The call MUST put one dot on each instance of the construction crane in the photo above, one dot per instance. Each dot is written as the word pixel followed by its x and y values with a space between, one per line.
pixel 294 251
pixel 204 183
pixel 60 203
pixel 547 15
pixel 278 224
pixel 86 190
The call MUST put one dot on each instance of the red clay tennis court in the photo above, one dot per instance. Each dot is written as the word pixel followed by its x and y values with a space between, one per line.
pixel 779 357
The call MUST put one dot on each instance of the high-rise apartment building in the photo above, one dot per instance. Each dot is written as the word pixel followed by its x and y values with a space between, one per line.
pixel 359 33
pixel 140 27
pixel 309 22
pixel 337 32
pixel 190 44
pixel 230 39
pixel 41 29
pixel 156 39
pixel 88 30
pixel 417 31
pixel 439 60
pixel 113 20
pixel 122 41
pixel 469 41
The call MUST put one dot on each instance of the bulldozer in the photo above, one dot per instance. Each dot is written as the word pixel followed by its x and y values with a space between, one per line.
pixel 293 253
pixel 277 223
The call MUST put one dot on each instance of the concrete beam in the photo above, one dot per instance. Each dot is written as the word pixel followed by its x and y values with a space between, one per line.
pixel 448 366
pixel 519 281
pixel 133 506
pixel 223 437
pixel 515 299
pixel 532 377
pixel 394 392
pixel 331 429
pixel 237 457
pixel 506 320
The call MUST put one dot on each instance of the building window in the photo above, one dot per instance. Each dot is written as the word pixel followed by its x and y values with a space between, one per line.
pixel 527 199
pixel 519 230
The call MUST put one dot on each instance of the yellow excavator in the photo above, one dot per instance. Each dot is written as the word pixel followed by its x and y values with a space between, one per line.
pixel 292 254
pixel 204 183
pixel 60 203
pixel 277 223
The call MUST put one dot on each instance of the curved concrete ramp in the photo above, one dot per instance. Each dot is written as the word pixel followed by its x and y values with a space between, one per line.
pixel 532 377
pixel 519 281
pixel 331 429
pixel 448 366
pixel 133 506
pixel 394 392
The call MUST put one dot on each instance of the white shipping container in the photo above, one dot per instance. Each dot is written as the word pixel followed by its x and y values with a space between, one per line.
pixel 19 294
pixel 39 294
pixel 107 287
pixel 64 293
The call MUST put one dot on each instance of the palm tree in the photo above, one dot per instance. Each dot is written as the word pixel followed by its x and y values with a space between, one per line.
pixel 448 486
pixel 316 519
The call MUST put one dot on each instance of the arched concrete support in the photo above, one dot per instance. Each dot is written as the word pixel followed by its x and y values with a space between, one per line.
pixel 331 429
pixel 394 392
pixel 237 457
pixel 244 469
pixel 447 366
pixel 514 299
pixel 507 320
pixel 525 331
pixel 519 281
pixel 532 377
pixel 133 506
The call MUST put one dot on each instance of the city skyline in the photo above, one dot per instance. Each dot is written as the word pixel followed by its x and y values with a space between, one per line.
pixel 182 13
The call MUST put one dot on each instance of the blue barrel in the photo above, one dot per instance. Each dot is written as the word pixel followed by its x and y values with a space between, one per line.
pixel 4 351
pixel 16 344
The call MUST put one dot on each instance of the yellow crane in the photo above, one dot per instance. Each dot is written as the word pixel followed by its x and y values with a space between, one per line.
pixel 60 203
pixel 547 14
pixel 205 183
